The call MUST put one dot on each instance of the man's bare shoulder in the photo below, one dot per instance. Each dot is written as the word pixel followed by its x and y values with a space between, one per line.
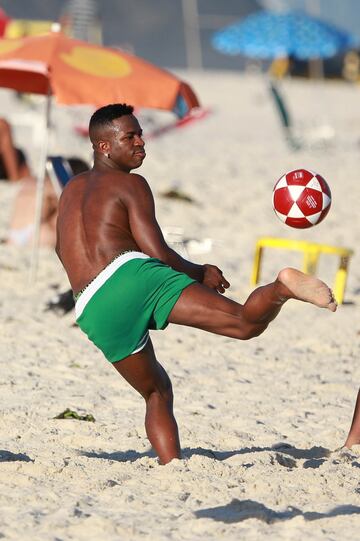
pixel 131 178
pixel 125 185
pixel 111 182
pixel 135 189
pixel 72 186
pixel 75 180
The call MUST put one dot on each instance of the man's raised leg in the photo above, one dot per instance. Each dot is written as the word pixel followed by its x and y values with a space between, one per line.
pixel 146 375
pixel 203 308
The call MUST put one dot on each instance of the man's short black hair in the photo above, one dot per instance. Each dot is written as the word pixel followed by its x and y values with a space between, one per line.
pixel 105 115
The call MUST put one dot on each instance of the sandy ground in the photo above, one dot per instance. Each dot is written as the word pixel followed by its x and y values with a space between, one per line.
pixel 260 421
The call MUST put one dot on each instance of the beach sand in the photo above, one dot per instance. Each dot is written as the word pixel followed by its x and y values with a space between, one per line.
pixel 261 422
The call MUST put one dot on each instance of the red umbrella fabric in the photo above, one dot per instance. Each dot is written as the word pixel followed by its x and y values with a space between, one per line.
pixel 77 72
pixel 4 19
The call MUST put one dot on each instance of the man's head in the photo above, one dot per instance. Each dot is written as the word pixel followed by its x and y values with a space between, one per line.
pixel 116 137
pixel 105 115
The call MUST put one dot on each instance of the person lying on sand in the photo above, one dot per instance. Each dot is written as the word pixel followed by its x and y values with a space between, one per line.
pixel 127 280
pixel 22 221
pixel 11 162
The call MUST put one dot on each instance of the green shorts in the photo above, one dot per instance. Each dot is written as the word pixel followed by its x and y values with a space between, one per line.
pixel 133 294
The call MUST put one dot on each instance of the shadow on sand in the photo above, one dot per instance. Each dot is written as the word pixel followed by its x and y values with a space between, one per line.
pixel 8 456
pixel 119 456
pixel 313 455
pixel 238 511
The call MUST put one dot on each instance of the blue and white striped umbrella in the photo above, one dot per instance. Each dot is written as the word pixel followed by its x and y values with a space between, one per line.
pixel 268 35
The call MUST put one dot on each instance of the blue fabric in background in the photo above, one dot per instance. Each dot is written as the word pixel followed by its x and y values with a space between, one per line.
pixel 270 34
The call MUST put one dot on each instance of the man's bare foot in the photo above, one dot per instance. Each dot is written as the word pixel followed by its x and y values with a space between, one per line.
pixel 307 288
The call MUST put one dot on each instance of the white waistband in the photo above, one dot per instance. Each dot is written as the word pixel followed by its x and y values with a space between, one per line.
pixel 102 277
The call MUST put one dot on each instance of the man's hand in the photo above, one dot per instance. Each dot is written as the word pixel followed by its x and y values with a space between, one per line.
pixel 213 278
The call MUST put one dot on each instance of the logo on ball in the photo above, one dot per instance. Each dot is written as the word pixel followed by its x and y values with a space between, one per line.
pixel 301 198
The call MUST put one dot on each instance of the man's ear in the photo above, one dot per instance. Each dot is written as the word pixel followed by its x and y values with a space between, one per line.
pixel 103 147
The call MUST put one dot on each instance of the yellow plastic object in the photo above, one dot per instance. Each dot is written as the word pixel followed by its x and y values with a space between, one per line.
pixel 19 28
pixel 312 252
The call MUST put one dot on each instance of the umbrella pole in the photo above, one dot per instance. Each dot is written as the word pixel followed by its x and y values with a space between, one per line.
pixel 284 114
pixel 40 192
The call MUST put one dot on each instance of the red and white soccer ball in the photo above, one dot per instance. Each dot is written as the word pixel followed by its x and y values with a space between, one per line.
pixel 301 198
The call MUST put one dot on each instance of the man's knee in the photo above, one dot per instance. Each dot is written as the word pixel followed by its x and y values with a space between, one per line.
pixel 160 389
pixel 160 395
pixel 250 330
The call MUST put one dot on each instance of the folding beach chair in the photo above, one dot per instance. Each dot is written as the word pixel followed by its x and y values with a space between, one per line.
pixel 59 171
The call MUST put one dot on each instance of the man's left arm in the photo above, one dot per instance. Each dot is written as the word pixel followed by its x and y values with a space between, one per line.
pixel 149 237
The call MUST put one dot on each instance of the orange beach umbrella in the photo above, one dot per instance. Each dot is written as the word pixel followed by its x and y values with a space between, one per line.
pixel 76 72
pixel 4 20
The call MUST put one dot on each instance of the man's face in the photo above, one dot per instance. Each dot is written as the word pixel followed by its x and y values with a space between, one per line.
pixel 126 143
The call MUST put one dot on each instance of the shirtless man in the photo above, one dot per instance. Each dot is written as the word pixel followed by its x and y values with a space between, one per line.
pixel 127 280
